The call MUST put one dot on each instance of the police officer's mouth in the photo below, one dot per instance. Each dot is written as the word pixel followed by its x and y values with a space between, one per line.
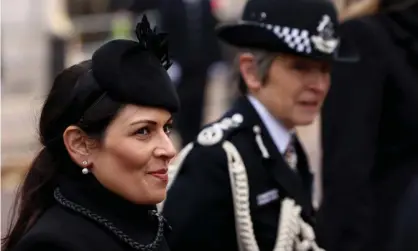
pixel 309 104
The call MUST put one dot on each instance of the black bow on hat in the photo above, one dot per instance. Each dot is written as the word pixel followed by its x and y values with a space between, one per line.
pixel 306 28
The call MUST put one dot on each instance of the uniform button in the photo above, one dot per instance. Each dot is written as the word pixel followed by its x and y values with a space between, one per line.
pixel 238 118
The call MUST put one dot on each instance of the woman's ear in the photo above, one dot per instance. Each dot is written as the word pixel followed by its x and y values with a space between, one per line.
pixel 78 144
pixel 249 72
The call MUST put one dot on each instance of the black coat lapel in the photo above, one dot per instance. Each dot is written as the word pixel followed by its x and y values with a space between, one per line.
pixel 304 167
pixel 292 182
pixel 305 175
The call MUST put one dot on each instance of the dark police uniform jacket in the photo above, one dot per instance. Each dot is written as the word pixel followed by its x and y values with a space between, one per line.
pixel 234 191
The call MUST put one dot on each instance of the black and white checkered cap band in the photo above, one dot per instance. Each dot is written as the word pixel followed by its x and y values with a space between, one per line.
pixel 295 38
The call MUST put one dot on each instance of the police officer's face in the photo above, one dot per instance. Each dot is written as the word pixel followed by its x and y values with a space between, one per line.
pixel 294 90
pixel 132 160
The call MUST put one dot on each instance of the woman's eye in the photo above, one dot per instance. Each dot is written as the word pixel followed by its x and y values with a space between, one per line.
pixel 143 131
pixel 168 128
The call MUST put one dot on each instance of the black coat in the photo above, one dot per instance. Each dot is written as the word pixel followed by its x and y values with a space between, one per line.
pixel 191 34
pixel 199 205
pixel 406 225
pixel 61 228
pixel 370 137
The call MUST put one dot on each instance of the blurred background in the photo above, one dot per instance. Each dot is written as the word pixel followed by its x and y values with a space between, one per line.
pixel 40 38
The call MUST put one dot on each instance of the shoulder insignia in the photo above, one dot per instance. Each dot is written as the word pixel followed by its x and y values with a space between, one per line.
pixel 214 133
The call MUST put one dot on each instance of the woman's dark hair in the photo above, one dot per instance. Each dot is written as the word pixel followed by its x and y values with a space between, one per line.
pixel 35 194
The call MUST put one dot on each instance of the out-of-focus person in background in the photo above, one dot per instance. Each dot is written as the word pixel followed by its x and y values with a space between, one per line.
pixel 245 183
pixel 190 25
pixel 61 30
pixel 228 11
pixel 103 168
pixel 369 130
pixel 349 9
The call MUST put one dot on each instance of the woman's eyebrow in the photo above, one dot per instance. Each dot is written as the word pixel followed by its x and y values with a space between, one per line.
pixel 144 121
pixel 169 119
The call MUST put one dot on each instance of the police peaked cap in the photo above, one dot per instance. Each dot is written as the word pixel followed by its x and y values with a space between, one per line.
pixel 307 28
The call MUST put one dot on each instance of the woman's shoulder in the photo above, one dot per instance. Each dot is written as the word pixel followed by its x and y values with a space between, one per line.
pixel 45 242
pixel 60 229
pixel 56 228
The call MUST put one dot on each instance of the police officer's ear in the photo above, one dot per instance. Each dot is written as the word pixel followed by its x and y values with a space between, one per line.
pixel 248 69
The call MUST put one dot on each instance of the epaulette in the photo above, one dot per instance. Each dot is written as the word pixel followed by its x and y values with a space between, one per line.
pixel 219 131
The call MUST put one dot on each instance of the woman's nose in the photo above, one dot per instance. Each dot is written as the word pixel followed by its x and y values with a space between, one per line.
pixel 166 148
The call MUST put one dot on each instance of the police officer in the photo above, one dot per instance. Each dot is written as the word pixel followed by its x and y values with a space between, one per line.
pixel 245 183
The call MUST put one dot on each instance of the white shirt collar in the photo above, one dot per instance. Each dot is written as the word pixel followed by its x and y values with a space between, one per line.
pixel 281 135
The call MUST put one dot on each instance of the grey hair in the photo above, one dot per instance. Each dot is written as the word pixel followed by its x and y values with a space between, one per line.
pixel 263 61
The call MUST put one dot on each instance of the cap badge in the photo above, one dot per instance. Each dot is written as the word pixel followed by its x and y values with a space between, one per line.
pixel 325 40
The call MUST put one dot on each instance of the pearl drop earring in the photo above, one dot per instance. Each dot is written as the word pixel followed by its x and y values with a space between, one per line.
pixel 85 170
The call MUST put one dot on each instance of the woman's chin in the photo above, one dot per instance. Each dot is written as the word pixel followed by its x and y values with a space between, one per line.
pixel 154 197
pixel 158 197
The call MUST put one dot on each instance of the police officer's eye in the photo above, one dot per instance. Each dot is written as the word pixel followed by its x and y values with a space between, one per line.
pixel 300 66
pixel 326 68
pixel 143 131
pixel 168 129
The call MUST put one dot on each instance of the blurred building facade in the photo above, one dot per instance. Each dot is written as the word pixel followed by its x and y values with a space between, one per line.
pixel 23 76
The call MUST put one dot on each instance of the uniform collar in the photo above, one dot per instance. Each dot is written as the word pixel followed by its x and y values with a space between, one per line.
pixel 280 135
